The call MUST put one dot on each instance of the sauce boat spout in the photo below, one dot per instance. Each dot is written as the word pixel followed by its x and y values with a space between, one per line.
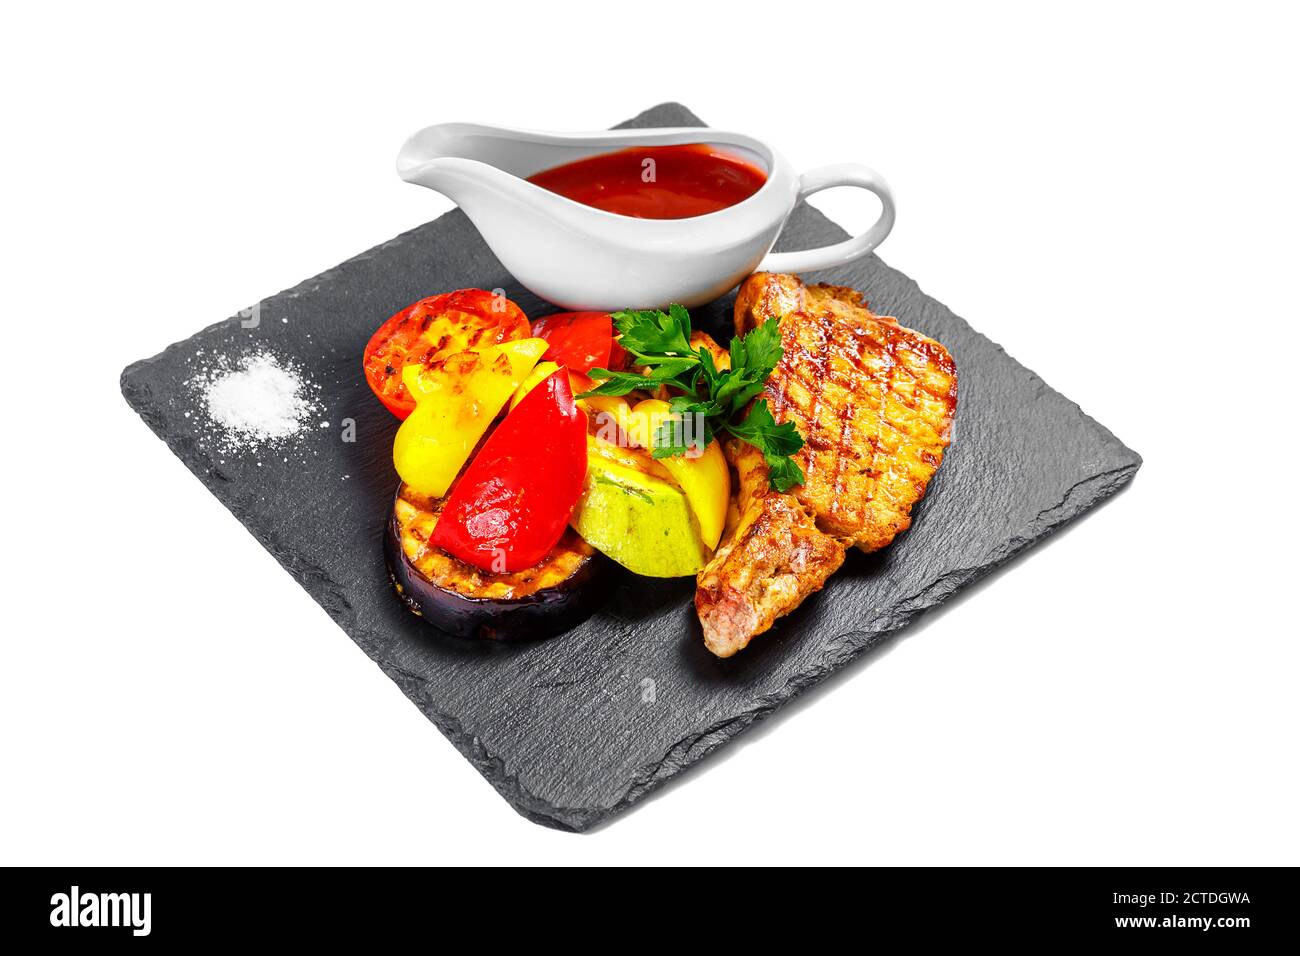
pixel 463 162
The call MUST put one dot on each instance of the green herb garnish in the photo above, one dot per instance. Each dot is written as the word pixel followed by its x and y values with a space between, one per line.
pixel 711 399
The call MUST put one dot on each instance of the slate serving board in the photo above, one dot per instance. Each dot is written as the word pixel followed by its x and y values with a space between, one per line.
pixel 575 729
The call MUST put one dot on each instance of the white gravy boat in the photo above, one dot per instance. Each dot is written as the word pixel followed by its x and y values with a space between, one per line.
pixel 580 257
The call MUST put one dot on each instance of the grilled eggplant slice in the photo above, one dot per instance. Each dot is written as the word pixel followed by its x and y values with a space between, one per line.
pixel 542 601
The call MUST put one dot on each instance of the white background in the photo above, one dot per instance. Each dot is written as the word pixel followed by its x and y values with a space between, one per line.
pixel 1112 195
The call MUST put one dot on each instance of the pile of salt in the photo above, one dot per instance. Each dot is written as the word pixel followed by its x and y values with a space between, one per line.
pixel 257 401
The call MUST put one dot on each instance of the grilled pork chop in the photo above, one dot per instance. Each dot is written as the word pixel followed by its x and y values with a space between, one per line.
pixel 772 559
pixel 874 402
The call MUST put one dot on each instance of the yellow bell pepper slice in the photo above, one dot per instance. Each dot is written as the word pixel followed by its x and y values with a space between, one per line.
pixel 535 378
pixel 703 477
pixel 455 402
pixel 613 408
pixel 578 382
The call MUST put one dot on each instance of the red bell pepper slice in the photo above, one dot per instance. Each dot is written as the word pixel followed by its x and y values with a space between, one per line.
pixel 579 340
pixel 512 504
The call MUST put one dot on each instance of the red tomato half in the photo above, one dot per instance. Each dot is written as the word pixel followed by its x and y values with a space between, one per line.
pixel 579 340
pixel 617 357
pixel 431 330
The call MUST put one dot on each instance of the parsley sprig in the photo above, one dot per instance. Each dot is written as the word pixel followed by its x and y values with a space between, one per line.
pixel 709 400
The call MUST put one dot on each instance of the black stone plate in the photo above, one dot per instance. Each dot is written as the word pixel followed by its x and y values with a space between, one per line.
pixel 577 728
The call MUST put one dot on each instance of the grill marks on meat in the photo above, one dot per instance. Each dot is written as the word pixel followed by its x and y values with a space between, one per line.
pixel 874 402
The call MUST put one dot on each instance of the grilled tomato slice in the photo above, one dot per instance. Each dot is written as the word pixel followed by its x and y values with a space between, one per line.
pixel 433 329
pixel 579 341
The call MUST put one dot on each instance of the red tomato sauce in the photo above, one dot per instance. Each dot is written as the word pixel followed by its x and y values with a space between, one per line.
pixel 680 182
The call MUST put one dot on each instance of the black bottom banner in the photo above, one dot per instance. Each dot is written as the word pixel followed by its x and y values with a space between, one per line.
pixel 1231 908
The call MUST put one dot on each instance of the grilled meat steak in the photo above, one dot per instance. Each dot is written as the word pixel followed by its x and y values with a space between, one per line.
pixel 874 402
pixel 772 559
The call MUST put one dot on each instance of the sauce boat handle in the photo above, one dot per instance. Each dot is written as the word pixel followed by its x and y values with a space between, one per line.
pixel 825 177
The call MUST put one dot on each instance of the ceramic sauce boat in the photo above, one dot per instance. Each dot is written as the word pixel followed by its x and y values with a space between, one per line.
pixel 583 258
